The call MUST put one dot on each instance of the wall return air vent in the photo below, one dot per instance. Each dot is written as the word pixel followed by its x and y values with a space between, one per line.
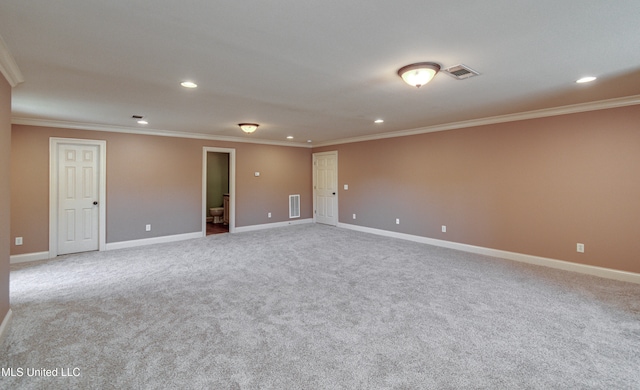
pixel 294 206
pixel 460 72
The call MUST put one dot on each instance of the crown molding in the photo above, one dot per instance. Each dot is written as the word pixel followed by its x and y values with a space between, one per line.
pixel 8 66
pixel 155 132
pixel 547 112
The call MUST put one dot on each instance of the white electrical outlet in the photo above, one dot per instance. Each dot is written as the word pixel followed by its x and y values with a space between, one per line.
pixel 148 227
pixel 444 229
pixel 397 221
pixel 580 248
pixel 346 187
pixel 269 215
pixel 354 216
pixel 18 240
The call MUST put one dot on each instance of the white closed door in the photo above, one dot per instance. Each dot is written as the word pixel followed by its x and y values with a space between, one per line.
pixel 325 187
pixel 78 198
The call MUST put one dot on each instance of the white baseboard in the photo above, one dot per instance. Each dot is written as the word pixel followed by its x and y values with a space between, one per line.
pixel 27 257
pixel 273 225
pixel 4 327
pixel 153 240
pixel 15 259
pixel 520 257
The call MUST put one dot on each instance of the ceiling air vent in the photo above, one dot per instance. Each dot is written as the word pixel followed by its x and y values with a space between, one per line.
pixel 460 72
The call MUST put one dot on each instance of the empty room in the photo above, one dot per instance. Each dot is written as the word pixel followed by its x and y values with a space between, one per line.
pixel 319 195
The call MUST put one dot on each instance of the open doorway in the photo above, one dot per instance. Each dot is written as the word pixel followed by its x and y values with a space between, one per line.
pixel 218 190
pixel 217 193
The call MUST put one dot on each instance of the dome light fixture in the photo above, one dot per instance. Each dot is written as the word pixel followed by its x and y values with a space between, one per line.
pixel 248 127
pixel 140 119
pixel 418 74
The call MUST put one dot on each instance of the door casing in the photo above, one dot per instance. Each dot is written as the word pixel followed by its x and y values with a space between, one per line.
pixel 232 186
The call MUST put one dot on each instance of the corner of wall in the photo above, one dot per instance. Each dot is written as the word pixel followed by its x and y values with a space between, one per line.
pixel 5 196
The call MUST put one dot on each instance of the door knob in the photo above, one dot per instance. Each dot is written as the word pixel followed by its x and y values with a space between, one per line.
pixel 334 193
pixel 95 203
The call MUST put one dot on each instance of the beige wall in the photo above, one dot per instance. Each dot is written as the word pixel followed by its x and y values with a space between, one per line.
pixel 536 187
pixel 278 175
pixel 154 180
pixel 5 203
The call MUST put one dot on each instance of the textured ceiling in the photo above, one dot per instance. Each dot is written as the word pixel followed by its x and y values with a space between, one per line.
pixel 318 70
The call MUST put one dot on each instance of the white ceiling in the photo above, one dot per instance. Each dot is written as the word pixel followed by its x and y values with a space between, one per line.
pixel 319 70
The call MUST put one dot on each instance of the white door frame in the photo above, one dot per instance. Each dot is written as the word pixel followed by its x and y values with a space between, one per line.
pixel 313 166
pixel 53 190
pixel 232 186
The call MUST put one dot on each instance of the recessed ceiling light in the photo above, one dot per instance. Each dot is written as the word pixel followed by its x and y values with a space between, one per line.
pixel 379 121
pixel 189 84
pixel 309 141
pixel 587 79
pixel 143 122
pixel 289 137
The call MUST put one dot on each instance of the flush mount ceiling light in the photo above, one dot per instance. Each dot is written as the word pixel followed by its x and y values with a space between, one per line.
pixel 248 127
pixel 418 74
pixel 139 119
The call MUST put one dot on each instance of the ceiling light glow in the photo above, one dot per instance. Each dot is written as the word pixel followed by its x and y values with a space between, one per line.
pixel 587 79
pixel 143 122
pixel 379 121
pixel 189 84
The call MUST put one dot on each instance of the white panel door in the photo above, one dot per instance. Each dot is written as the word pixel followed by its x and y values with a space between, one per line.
pixel 325 187
pixel 78 197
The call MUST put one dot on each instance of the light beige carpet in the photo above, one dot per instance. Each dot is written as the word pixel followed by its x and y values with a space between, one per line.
pixel 316 307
